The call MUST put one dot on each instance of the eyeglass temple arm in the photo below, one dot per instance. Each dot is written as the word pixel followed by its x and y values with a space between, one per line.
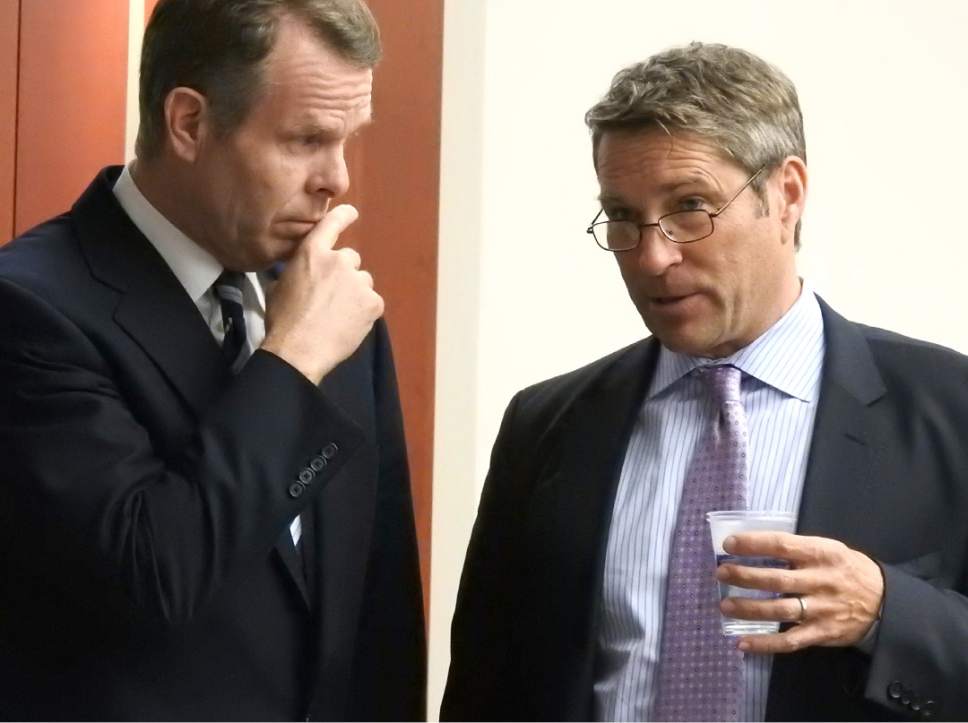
pixel 736 195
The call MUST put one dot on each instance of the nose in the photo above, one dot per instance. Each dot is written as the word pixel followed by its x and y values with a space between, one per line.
pixel 657 253
pixel 329 175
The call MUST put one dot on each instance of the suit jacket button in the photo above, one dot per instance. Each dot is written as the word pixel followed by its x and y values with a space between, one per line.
pixel 317 464
pixel 895 690
pixel 927 709
pixel 329 451
pixel 915 704
pixel 306 476
pixel 906 697
pixel 296 490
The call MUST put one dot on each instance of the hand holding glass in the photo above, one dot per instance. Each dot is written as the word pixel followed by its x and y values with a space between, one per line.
pixel 724 523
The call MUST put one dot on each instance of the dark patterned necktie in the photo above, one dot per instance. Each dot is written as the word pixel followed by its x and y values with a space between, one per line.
pixel 228 290
pixel 700 670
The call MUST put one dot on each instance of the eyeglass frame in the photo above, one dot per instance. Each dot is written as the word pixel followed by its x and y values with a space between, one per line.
pixel 658 222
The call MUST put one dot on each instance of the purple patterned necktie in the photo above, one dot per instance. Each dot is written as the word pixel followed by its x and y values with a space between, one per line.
pixel 700 670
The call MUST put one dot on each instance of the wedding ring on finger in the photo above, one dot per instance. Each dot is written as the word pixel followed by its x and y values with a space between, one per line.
pixel 803 608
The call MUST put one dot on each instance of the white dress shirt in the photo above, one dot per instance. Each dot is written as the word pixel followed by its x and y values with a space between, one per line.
pixel 779 391
pixel 196 269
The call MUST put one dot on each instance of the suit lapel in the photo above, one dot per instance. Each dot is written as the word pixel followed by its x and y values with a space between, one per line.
pixel 838 482
pixel 154 309
pixel 157 314
pixel 570 533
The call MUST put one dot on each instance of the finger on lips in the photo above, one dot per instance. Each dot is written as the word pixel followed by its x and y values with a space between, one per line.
pixel 335 222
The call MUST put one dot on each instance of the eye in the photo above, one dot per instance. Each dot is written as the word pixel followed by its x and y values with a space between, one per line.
pixel 307 141
pixel 691 203
pixel 311 142
pixel 618 214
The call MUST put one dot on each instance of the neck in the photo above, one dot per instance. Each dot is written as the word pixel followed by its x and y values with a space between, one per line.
pixel 169 189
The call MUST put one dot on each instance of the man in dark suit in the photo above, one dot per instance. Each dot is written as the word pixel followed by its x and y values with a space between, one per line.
pixel 205 508
pixel 577 547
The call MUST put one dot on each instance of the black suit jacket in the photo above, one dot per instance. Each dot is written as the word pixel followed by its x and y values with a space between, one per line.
pixel 146 566
pixel 887 474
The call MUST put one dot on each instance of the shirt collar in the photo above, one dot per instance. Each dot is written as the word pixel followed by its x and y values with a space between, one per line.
pixel 780 357
pixel 194 267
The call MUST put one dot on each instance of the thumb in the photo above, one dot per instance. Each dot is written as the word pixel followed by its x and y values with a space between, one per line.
pixel 335 222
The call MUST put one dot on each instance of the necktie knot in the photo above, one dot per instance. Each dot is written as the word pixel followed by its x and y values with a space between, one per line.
pixel 228 286
pixel 722 383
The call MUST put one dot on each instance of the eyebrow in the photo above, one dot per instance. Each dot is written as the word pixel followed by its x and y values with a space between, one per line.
pixel 310 126
pixel 663 189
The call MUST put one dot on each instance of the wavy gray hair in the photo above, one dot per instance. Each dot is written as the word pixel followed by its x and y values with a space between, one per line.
pixel 730 97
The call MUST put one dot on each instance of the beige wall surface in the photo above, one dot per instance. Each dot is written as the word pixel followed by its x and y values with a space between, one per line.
pixel 524 294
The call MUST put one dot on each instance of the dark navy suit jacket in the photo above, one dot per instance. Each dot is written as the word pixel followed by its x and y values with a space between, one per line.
pixel 887 475
pixel 146 567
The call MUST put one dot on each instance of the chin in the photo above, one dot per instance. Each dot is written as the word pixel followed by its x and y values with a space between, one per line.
pixel 275 250
pixel 681 342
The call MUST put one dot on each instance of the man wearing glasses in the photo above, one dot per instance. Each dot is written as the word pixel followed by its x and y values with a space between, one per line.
pixel 590 588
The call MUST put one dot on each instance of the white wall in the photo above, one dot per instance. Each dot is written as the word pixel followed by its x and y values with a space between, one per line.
pixel 136 26
pixel 524 294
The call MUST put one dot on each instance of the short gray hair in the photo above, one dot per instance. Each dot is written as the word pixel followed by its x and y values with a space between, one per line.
pixel 727 96
pixel 218 47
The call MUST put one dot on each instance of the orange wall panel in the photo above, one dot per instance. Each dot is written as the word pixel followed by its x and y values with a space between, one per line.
pixel 71 109
pixel 9 36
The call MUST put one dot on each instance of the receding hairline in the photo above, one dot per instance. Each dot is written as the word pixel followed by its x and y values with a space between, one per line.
pixel 303 21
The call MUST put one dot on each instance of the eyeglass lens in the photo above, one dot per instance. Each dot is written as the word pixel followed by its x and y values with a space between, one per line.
pixel 681 227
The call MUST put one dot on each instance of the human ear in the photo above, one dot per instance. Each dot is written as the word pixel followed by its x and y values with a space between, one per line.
pixel 792 180
pixel 187 120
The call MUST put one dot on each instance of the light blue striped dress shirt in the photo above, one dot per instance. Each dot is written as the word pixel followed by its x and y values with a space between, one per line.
pixel 780 388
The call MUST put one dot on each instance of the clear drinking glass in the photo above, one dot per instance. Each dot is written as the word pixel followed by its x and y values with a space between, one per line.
pixel 724 523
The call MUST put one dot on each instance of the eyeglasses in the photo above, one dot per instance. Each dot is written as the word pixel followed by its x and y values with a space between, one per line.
pixel 681 227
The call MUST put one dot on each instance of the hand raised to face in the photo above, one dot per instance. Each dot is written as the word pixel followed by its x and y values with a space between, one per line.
pixel 323 304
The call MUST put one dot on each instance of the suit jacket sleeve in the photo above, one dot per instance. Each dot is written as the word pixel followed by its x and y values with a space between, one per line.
pixel 391 676
pixel 84 483
pixel 919 664
pixel 482 678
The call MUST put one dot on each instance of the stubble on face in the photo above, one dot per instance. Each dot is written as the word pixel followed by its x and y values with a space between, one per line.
pixel 281 168
pixel 708 298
